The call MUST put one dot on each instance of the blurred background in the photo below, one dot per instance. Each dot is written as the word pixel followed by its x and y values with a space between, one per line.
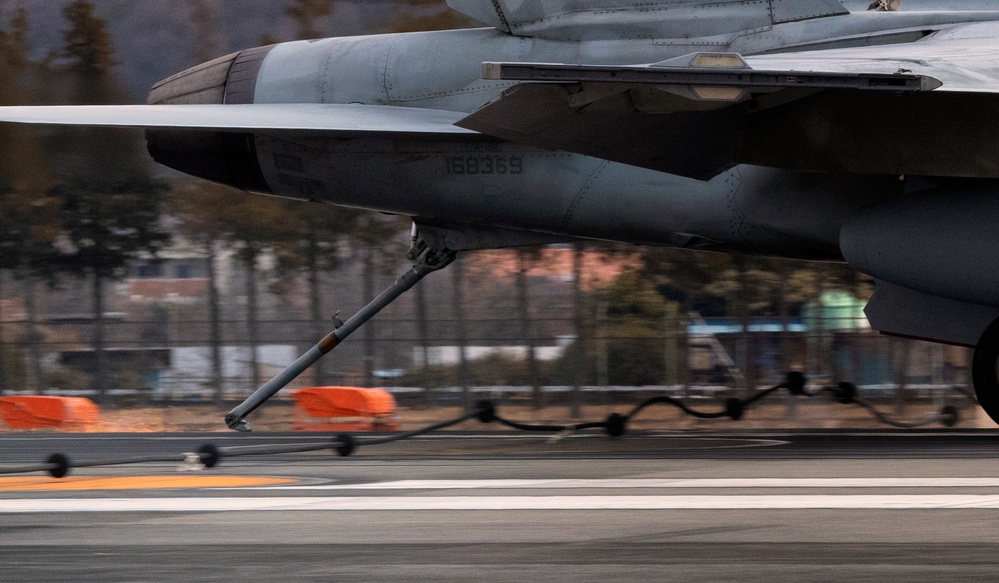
pixel 150 292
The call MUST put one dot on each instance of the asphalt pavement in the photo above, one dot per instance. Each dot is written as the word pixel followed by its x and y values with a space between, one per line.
pixel 701 506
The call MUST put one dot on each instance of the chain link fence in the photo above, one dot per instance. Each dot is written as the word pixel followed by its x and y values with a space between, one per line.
pixel 159 351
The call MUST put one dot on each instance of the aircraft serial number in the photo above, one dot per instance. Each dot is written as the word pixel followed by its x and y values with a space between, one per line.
pixel 484 164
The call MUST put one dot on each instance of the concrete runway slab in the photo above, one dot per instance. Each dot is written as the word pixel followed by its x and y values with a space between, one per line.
pixel 748 506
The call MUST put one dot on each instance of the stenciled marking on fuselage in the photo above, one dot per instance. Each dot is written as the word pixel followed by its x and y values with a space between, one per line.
pixel 488 147
pixel 483 164
pixel 307 188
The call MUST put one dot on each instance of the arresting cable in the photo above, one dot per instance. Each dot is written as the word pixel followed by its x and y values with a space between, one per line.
pixel 616 425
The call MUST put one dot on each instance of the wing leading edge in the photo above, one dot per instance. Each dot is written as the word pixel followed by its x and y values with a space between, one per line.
pixel 332 119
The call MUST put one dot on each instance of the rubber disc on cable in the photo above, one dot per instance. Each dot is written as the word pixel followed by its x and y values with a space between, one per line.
pixel 344 445
pixel 60 465
pixel 209 455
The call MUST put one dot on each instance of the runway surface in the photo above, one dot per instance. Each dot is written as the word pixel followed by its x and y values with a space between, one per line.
pixel 747 506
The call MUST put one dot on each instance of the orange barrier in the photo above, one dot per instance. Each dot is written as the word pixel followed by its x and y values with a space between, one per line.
pixel 35 412
pixel 344 409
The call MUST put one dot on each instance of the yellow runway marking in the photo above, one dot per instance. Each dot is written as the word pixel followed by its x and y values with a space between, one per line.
pixel 136 483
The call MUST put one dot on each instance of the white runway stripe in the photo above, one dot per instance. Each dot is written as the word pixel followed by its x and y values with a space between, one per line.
pixel 624 484
pixel 496 503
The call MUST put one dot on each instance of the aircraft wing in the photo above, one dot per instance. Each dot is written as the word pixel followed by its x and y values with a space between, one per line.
pixel 879 109
pixel 964 59
pixel 332 119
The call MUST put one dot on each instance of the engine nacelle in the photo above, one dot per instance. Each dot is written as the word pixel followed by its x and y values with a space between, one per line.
pixel 940 242
pixel 225 157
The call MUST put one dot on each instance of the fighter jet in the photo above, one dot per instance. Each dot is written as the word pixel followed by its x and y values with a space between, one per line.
pixel 828 130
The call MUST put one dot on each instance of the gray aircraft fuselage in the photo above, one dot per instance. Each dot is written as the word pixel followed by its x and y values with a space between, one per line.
pixel 483 181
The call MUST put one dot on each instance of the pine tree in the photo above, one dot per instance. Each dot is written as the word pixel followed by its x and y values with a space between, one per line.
pixel 250 224
pixel 87 43
pixel 197 202
pixel 187 194
pixel 416 15
pixel 28 223
pixel 307 15
pixel 205 23
pixel 109 206
pixel 525 257
pixel 24 227
pixel 14 41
